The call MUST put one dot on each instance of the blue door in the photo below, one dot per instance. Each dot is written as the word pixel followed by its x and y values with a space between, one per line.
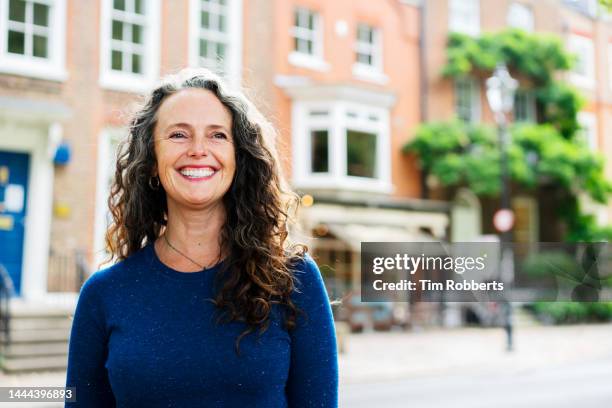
pixel 13 198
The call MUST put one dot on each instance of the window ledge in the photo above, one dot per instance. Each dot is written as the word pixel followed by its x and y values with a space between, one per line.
pixel 369 74
pixel 345 183
pixel 125 82
pixel 34 69
pixel 582 81
pixel 308 61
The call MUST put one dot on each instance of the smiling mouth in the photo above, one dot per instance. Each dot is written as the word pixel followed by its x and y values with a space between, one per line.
pixel 197 174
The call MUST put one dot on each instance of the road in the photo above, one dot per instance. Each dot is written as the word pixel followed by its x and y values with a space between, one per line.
pixel 584 385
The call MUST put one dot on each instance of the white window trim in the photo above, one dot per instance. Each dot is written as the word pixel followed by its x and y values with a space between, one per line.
pixel 455 24
pixel 337 123
pixel 530 101
pixel 375 72
pixel 585 81
pixel 234 50
pixel 313 61
pixel 588 122
pixel 105 169
pixel 476 102
pixel 54 68
pixel 610 64
pixel 125 81
pixel 523 10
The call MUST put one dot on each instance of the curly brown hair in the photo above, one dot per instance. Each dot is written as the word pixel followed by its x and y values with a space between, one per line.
pixel 260 206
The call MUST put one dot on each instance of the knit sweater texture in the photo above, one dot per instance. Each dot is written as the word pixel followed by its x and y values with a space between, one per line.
pixel 146 335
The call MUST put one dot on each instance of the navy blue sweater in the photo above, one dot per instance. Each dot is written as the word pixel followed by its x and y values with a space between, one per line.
pixel 144 335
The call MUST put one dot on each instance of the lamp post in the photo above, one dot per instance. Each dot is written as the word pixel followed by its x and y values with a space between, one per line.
pixel 500 94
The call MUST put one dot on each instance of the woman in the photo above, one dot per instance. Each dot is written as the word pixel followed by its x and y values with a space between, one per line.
pixel 209 305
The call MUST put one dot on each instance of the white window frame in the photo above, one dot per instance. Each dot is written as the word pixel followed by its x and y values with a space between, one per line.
pixel 337 122
pixel 314 61
pixel 52 68
pixel 233 38
pixel 475 106
pixel 587 7
pixel 530 105
pixel 370 72
pixel 610 64
pixel 521 16
pixel 464 16
pixel 107 152
pixel 127 81
pixel 588 123
pixel 583 47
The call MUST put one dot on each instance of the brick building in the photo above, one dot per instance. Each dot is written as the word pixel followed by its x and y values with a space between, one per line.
pixel 584 28
pixel 340 80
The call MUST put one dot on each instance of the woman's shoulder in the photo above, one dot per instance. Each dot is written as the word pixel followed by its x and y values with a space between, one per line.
pixel 304 264
pixel 115 274
pixel 308 279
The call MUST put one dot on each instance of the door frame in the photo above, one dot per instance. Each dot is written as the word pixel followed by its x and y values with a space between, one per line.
pixel 35 139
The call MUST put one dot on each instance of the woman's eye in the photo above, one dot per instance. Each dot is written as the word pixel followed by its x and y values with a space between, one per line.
pixel 177 136
pixel 220 136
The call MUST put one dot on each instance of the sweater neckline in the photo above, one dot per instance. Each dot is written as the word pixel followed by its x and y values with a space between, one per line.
pixel 173 273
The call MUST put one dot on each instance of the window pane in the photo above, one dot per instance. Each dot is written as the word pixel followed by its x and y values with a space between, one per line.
pixel 41 14
pixel 363 33
pixel 304 46
pixel 205 19
pixel 364 58
pixel 137 34
pixel 203 48
pixel 465 94
pixel 116 63
pixel 136 63
pixel 139 7
pixel 221 50
pixel 40 46
pixel 319 151
pixel 296 15
pixel 117 30
pixel 309 49
pixel 360 154
pixel 222 23
pixel 119 4
pixel 17 10
pixel 16 42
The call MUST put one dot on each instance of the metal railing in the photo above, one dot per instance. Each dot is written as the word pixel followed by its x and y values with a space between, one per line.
pixel 6 292
pixel 67 271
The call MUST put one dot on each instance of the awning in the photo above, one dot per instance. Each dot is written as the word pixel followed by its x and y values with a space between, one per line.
pixel 355 234
pixel 377 222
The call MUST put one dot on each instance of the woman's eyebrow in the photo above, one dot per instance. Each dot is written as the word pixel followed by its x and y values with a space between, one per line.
pixel 219 127
pixel 180 124
pixel 187 125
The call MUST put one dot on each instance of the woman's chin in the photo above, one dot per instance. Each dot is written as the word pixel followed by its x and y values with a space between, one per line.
pixel 200 201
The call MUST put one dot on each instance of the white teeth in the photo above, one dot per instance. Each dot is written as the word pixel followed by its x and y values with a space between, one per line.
pixel 197 173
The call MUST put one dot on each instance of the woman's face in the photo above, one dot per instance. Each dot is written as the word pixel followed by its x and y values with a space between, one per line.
pixel 194 148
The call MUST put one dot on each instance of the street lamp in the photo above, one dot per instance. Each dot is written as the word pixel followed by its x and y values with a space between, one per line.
pixel 500 94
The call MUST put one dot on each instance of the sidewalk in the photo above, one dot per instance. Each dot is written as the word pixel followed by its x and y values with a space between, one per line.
pixel 403 355
pixel 391 356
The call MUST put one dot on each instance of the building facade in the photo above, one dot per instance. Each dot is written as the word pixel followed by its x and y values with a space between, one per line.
pixel 584 29
pixel 341 81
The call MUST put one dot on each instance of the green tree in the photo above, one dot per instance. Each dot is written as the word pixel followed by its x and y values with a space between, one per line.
pixel 550 151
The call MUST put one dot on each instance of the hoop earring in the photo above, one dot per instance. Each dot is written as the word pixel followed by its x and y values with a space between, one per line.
pixel 154 185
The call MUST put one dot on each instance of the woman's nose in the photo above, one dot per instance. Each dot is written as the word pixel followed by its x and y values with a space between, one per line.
pixel 198 147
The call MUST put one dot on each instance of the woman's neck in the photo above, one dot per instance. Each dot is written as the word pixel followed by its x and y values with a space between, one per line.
pixel 192 237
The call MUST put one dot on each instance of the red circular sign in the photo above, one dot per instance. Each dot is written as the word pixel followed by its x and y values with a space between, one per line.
pixel 503 220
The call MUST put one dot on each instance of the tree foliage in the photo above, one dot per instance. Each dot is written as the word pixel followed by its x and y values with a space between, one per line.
pixel 544 153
